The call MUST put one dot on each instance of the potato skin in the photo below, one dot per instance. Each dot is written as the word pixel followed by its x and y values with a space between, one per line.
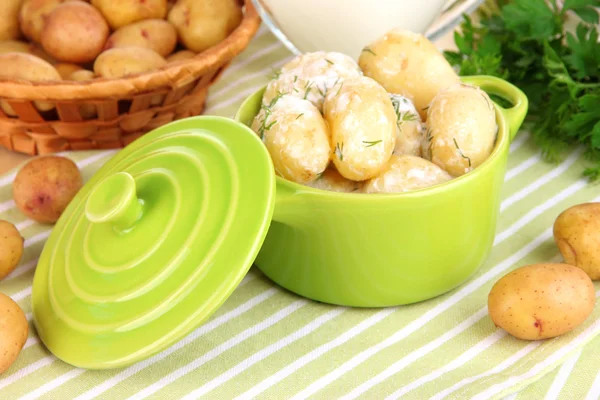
pixel 124 61
pixel 461 129
pixel 27 67
pixel 409 64
pixel 45 186
pixel 67 25
pixel 155 34
pixel 67 69
pixel 577 235
pixel 9 23
pixel 119 13
pixel 541 301
pixel 14 330
pixel 405 173
pixel 11 248
pixel 296 137
pixel 180 56
pixel 33 15
pixel 202 24
pixel 362 123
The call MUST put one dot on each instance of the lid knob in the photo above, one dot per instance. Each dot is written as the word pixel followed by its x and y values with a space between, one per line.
pixel 114 201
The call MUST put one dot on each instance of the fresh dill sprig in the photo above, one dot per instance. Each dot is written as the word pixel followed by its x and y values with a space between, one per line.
pixel 371 143
pixel 368 50
pixel 461 153
pixel 339 151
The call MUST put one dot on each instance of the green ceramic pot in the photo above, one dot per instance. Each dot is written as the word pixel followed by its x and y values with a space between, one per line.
pixel 388 249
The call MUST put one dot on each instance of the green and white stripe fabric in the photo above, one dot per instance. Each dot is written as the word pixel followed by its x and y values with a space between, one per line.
pixel 267 343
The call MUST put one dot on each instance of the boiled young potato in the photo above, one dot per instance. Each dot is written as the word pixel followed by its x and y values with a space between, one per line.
pixel 202 24
pixel 75 32
pixel 30 68
pixel 541 301
pixel 124 61
pixel 11 248
pixel 362 123
pixel 296 137
pixel 13 331
pixel 409 64
pixel 155 34
pixel 410 130
pixel 577 235
pixel 332 181
pixel 119 13
pixel 311 75
pixel 461 129
pixel 9 19
pixel 405 173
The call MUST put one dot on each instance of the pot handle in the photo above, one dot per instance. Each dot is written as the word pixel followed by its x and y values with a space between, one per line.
pixel 499 87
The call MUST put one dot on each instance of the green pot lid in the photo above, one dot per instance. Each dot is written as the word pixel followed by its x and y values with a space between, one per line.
pixel 154 243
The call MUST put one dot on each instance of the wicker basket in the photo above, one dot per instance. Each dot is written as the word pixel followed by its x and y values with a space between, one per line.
pixel 125 108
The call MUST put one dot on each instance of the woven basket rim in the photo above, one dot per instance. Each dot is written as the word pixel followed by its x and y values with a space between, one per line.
pixel 173 74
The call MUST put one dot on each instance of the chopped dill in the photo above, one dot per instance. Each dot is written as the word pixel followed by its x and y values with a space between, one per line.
pixel 368 50
pixel 371 143
pixel 329 61
pixel 307 89
pixel 339 149
pixel 461 153
pixel 299 115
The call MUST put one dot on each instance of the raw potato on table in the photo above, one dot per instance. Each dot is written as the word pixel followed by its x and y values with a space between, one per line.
pixel 124 61
pixel 296 137
pixel 9 19
pixel 13 331
pixel 461 129
pixel 408 64
pixel 119 13
pixel 27 67
pixel 74 32
pixel 541 301
pixel 362 123
pixel 577 235
pixel 202 24
pixel 45 186
pixel 154 34
pixel 11 248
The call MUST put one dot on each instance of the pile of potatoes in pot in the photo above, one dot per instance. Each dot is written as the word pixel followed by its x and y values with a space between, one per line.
pixel 546 300
pixel 396 120
pixel 82 40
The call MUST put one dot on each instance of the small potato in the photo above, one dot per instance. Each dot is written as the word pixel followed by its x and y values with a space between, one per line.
pixel 541 301
pixel 11 248
pixel 119 13
pixel 45 186
pixel 155 34
pixel 181 55
pixel 67 25
pixel 461 129
pixel 88 111
pixel 66 69
pixel 405 173
pixel 311 75
pixel 332 181
pixel 409 64
pixel 363 127
pixel 296 136
pixel 124 61
pixel 577 235
pixel 16 46
pixel 410 130
pixel 202 24
pixel 9 19
pixel 14 330
pixel 33 15
pixel 27 67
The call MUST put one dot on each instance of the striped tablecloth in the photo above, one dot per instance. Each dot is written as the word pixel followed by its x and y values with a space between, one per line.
pixel 267 343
